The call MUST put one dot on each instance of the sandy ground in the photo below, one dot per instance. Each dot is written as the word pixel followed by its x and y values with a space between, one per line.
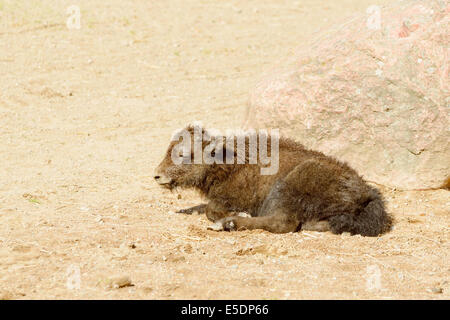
pixel 85 116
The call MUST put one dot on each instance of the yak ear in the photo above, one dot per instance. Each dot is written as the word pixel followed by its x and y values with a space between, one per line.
pixel 195 126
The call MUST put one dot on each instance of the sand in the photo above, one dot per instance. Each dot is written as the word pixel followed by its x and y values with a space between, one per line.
pixel 86 115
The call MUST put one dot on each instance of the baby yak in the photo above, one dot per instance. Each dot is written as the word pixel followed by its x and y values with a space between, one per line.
pixel 308 191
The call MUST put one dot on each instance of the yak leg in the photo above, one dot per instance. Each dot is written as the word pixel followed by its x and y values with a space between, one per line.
pixel 201 208
pixel 279 222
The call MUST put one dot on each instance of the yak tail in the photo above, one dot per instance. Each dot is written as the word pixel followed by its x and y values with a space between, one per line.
pixel 372 221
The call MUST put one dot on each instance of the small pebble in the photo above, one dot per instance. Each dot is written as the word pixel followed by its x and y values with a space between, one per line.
pixel 216 227
pixel 126 245
pixel 243 214
pixel 119 282
pixel 437 290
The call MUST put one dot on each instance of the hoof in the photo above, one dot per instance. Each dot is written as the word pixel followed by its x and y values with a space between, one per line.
pixel 218 226
pixel 185 211
pixel 229 224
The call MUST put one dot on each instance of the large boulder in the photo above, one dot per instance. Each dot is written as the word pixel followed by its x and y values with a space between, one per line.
pixel 374 93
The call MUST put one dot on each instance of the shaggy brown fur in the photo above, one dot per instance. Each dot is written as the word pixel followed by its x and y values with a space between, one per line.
pixel 309 187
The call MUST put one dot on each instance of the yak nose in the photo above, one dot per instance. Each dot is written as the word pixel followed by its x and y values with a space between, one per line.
pixel 161 178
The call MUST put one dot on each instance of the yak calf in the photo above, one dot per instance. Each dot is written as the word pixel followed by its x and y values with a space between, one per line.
pixel 309 191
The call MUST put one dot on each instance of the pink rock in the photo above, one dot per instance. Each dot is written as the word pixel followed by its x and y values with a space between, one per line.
pixel 376 97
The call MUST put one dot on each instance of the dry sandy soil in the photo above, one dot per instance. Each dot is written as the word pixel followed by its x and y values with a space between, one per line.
pixel 85 116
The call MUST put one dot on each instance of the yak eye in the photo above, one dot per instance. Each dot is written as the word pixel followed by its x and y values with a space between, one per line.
pixel 213 153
